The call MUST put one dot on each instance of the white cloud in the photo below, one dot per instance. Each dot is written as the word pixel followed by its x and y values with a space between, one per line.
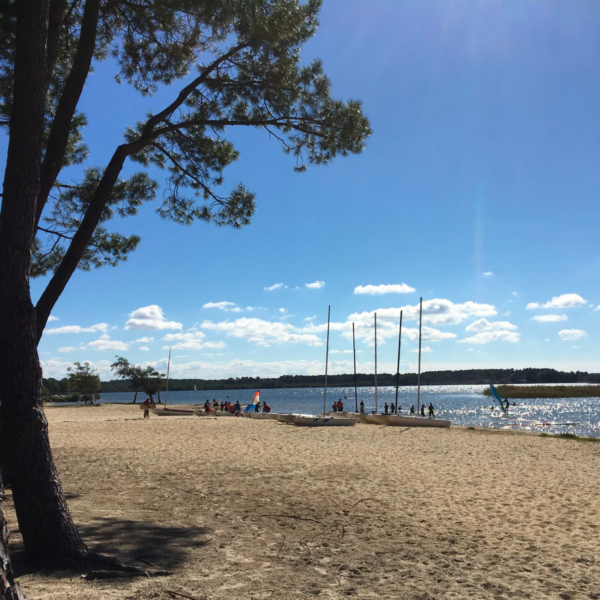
pixel 77 329
pixel 575 347
pixel 571 334
pixel 144 348
pixel 230 307
pixel 597 308
pixel 150 317
pixel 506 314
pixel 144 340
pixel 264 332
pixel 283 311
pixel 276 286
pixel 310 318
pixel 315 285
pixel 377 290
pixel 550 318
pixel 564 301
pixel 58 369
pixel 195 345
pixel 71 348
pixel 488 273
pixel 105 343
pixel 484 337
pixel 514 293
pixel 191 341
pixel 485 325
pixel 435 312
pixel 221 305
pixel 424 349
pixel 52 318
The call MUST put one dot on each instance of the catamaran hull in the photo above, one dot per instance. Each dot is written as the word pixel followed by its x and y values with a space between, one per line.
pixel 262 416
pixel 371 419
pixel 405 421
pixel 171 412
pixel 285 418
pixel 323 421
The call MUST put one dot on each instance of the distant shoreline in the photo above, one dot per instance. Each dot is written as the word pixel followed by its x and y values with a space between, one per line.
pixel 462 377
pixel 546 391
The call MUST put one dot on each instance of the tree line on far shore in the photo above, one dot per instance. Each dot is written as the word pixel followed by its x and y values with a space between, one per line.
pixel 464 377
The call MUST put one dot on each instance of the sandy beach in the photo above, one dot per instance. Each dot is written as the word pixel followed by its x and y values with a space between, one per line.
pixel 239 508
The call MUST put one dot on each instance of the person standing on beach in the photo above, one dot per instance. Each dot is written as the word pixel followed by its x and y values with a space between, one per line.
pixel 412 409
pixel 147 403
pixel 422 410
pixel 362 407
pixel 431 411
pixel 340 405
pixel 392 408
pixel 385 408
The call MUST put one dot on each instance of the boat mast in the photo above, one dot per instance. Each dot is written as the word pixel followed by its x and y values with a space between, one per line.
pixel 419 375
pixel 168 371
pixel 375 363
pixel 355 390
pixel 326 361
pixel 398 365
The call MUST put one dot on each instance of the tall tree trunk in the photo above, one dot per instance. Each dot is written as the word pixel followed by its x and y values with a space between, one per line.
pixel 44 520
pixel 9 588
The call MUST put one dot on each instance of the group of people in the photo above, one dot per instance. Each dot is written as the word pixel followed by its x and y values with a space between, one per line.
pixel 338 406
pixel 390 409
pixel 227 406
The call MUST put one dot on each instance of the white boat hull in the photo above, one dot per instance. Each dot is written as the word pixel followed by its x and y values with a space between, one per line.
pixel 262 416
pixel 171 412
pixel 406 421
pixel 289 418
pixel 323 421
pixel 371 419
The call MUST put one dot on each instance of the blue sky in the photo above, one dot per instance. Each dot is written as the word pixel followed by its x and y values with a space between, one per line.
pixel 478 191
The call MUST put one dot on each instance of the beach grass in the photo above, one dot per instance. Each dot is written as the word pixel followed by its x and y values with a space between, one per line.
pixel 546 391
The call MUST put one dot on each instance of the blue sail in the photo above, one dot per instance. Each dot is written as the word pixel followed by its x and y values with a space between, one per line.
pixel 497 396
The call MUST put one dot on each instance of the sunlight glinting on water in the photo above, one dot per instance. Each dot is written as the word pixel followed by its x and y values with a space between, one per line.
pixel 462 404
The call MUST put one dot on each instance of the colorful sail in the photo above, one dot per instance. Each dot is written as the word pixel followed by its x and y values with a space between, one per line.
pixel 255 400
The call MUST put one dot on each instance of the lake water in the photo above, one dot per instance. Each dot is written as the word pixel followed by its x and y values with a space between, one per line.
pixel 462 404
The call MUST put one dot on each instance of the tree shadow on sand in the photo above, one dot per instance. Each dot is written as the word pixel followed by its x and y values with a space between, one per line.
pixel 138 543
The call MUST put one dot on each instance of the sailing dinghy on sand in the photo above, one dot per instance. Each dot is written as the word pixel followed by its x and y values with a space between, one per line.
pixel 405 420
pixel 325 420
pixel 171 412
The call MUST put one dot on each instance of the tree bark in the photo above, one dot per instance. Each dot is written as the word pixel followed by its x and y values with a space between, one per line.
pixel 44 520
pixel 9 588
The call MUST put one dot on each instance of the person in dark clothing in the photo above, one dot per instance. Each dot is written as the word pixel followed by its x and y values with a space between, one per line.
pixel 431 411
pixel 385 408
pixel 362 407
pixel 422 410
pixel 412 409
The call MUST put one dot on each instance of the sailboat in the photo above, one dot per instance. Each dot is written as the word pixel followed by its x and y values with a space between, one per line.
pixel 373 418
pixel 325 419
pixel 405 420
pixel 171 412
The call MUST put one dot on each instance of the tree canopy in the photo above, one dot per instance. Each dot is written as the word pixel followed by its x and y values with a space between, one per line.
pixel 246 54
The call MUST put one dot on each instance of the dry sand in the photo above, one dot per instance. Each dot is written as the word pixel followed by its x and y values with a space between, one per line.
pixel 239 508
